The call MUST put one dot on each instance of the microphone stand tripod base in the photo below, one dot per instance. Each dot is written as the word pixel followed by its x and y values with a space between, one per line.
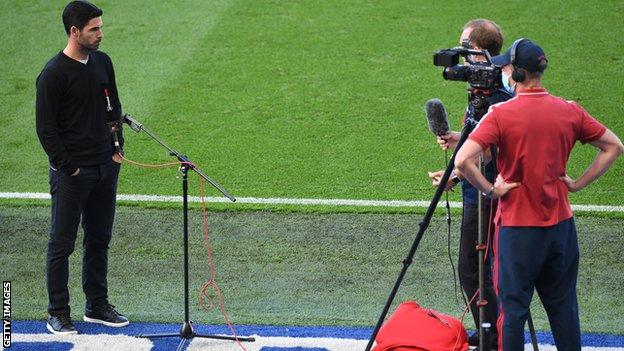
pixel 187 332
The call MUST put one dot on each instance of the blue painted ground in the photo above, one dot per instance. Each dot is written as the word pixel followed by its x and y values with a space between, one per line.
pixel 134 329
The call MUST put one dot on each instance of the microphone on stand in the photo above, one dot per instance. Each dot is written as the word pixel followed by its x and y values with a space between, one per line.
pixel 133 123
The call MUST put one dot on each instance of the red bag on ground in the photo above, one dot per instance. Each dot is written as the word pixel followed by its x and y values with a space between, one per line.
pixel 412 328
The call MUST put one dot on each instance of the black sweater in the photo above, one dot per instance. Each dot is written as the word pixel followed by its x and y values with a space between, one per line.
pixel 71 111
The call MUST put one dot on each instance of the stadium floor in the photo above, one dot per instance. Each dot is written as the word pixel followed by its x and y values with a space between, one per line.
pixel 32 335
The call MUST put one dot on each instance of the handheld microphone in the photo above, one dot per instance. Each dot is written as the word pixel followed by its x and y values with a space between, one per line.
pixel 437 118
pixel 133 123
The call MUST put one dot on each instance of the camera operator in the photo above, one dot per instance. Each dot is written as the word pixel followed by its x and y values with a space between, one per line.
pixel 481 34
pixel 536 244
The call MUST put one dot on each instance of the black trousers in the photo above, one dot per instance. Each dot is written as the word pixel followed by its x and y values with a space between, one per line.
pixel 90 197
pixel 545 259
pixel 468 265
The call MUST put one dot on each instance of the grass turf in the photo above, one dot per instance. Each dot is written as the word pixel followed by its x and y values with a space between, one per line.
pixel 300 99
pixel 295 99
pixel 287 268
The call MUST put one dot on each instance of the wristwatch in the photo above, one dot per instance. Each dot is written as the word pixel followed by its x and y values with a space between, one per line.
pixel 455 179
pixel 489 194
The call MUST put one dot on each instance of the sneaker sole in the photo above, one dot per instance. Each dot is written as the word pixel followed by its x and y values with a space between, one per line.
pixel 108 324
pixel 51 330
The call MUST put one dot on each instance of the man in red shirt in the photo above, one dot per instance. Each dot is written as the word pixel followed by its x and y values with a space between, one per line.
pixel 536 244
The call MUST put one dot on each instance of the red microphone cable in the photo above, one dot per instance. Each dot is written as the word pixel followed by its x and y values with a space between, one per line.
pixel 212 282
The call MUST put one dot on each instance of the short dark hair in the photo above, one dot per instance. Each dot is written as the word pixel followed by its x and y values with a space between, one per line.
pixel 486 34
pixel 78 14
pixel 541 67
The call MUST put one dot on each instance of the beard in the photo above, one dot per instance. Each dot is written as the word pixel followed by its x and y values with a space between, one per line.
pixel 86 47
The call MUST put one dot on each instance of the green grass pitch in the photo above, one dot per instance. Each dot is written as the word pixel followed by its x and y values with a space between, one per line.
pixel 298 99
pixel 302 99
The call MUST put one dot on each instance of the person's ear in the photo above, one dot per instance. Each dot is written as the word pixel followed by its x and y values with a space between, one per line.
pixel 74 31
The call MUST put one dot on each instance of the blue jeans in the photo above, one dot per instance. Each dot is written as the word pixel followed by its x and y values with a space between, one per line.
pixel 90 196
pixel 545 259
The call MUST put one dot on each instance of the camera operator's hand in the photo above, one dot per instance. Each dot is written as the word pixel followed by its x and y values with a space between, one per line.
pixel 449 140
pixel 437 176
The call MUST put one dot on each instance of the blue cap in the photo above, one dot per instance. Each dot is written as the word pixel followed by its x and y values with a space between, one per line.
pixel 528 55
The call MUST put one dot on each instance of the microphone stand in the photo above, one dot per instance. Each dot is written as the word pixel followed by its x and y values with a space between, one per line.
pixel 424 224
pixel 485 328
pixel 186 331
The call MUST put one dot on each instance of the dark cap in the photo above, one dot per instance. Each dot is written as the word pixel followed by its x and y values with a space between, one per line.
pixel 528 55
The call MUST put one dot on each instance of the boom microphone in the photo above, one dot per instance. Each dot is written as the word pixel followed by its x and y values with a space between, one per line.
pixel 436 117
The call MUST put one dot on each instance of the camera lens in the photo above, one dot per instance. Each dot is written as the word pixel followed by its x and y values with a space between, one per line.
pixel 457 72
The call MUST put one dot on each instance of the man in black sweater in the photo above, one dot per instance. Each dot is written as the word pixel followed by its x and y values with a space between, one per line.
pixel 76 102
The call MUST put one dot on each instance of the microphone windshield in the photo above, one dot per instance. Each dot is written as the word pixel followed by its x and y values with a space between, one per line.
pixel 436 117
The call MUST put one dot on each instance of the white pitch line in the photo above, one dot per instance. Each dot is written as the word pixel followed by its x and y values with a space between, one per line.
pixel 290 201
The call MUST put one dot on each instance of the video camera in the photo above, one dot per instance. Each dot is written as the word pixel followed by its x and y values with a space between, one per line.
pixel 479 74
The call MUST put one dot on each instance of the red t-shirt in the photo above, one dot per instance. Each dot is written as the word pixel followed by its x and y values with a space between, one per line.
pixel 535 133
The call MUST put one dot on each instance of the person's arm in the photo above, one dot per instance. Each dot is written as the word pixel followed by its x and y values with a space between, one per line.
pixel 610 148
pixel 46 112
pixel 465 163
pixel 117 157
pixel 436 177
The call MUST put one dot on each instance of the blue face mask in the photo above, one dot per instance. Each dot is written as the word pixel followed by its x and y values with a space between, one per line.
pixel 506 84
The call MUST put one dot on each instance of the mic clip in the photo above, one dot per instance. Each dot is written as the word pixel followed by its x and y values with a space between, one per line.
pixel 114 128
pixel 133 123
